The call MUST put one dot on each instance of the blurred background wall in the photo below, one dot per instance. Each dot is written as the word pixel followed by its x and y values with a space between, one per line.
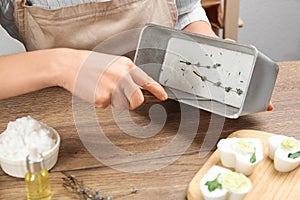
pixel 273 26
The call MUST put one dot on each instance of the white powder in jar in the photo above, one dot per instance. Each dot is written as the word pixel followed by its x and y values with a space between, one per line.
pixel 20 135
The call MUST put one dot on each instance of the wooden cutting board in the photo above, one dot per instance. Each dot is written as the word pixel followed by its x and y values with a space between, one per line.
pixel 267 182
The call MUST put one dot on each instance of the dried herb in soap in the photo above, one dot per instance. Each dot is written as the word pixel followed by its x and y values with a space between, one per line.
pixel 205 79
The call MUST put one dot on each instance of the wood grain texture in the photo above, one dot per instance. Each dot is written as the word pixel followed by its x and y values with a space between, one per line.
pixel 267 183
pixel 53 106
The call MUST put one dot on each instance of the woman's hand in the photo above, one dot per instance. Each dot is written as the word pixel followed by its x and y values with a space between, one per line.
pixel 109 80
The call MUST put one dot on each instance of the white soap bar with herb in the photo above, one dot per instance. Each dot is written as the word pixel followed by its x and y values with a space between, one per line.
pixel 285 151
pixel 220 183
pixel 242 154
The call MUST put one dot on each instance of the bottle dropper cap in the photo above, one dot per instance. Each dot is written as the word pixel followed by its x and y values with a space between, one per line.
pixel 34 153
pixel 34 159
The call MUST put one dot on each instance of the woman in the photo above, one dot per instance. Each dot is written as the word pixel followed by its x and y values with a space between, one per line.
pixel 60 36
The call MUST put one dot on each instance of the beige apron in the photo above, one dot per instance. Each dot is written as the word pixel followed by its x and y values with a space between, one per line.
pixel 84 26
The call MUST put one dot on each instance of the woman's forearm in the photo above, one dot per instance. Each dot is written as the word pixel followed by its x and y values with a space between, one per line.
pixel 30 71
pixel 200 27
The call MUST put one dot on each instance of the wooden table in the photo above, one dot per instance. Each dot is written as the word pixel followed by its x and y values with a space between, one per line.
pixel 53 106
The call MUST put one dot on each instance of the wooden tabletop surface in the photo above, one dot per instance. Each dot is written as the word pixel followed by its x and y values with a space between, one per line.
pixel 53 106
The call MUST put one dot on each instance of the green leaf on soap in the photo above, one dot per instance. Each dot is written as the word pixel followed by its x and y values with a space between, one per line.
pixel 294 155
pixel 214 184
pixel 253 157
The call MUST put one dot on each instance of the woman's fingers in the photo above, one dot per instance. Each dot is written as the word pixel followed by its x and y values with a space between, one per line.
pixel 157 90
pixel 147 83
pixel 270 107
pixel 136 99
pixel 117 81
pixel 129 88
pixel 127 94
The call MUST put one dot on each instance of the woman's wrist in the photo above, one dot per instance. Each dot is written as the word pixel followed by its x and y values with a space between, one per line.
pixel 35 70
pixel 65 64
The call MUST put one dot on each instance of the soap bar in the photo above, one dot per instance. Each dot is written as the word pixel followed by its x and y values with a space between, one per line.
pixel 221 184
pixel 242 154
pixel 285 151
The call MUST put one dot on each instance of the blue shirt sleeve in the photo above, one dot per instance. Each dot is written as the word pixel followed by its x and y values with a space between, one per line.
pixel 189 11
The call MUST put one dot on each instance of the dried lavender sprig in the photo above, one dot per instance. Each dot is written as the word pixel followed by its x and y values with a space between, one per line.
pixel 72 184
